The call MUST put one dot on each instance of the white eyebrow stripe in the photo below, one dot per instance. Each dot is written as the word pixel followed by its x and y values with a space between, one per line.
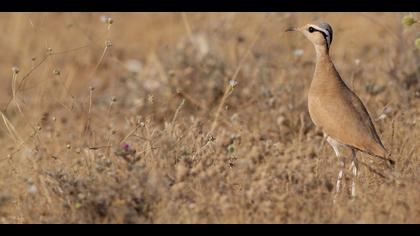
pixel 321 29
pixel 325 31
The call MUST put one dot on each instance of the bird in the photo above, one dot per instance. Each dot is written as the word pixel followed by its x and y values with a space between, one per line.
pixel 336 110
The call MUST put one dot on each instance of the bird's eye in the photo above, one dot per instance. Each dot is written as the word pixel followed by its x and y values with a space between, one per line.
pixel 311 29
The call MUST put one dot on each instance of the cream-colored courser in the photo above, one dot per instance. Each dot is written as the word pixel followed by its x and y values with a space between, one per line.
pixel 337 110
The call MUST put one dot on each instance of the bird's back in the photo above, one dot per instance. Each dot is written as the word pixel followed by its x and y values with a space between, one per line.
pixel 340 113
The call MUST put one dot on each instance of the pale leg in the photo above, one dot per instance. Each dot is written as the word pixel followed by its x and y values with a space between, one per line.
pixel 334 144
pixel 340 176
pixel 354 166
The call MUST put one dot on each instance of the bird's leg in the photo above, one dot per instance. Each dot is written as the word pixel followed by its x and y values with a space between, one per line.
pixel 340 175
pixel 334 144
pixel 354 166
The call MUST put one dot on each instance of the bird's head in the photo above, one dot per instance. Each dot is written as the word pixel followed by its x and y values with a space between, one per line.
pixel 319 34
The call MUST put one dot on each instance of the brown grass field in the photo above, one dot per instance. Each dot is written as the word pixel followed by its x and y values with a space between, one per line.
pixel 198 118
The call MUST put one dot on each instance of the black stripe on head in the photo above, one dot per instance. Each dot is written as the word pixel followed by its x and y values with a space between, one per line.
pixel 324 34
pixel 328 29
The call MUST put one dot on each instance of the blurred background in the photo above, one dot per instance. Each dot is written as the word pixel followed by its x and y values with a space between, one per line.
pixel 198 118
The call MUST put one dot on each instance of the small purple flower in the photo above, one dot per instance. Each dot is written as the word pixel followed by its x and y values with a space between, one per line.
pixel 127 152
pixel 126 147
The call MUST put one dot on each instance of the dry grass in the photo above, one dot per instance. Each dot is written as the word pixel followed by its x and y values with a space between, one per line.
pixel 151 130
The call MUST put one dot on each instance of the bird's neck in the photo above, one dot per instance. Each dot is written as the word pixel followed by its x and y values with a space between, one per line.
pixel 324 63
pixel 322 52
pixel 325 73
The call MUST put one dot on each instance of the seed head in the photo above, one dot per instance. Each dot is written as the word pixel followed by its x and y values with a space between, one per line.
pixel 233 83
pixel 408 20
pixel 56 72
pixel 108 43
pixel 151 99
pixel 231 148
pixel 15 70
pixel 417 43
pixel 107 20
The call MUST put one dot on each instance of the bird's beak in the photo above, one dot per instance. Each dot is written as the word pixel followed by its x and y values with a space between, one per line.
pixel 291 29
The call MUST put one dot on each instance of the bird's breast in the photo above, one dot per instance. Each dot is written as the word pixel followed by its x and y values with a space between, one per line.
pixel 314 104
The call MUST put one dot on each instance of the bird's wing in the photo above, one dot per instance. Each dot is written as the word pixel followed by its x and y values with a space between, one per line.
pixel 342 115
pixel 365 118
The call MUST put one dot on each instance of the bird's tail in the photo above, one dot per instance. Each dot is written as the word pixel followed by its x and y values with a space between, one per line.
pixel 386 157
